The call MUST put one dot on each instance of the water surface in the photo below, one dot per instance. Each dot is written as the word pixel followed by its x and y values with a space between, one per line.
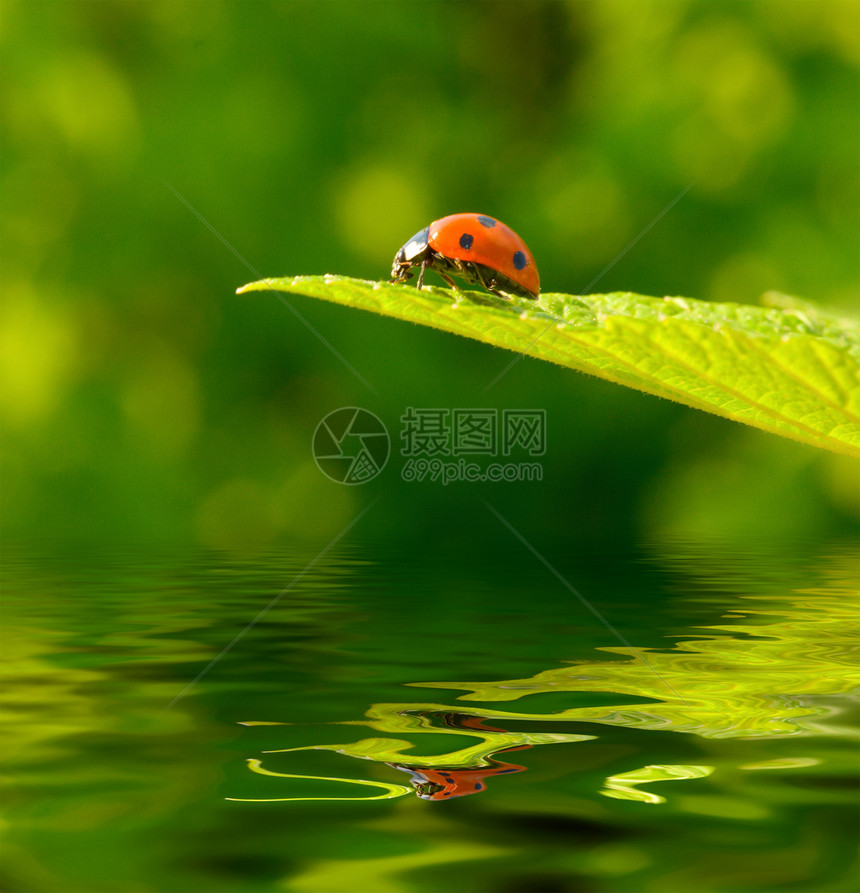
pixel 675 717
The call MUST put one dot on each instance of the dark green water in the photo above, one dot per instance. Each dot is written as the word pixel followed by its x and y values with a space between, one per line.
pixel 711 745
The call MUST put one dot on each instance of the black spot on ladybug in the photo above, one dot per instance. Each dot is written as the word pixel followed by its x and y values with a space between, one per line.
pixel 487 221
pixel 519 259
pixel 466 241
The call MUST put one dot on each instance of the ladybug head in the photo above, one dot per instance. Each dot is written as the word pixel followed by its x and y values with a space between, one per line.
pixel 413 252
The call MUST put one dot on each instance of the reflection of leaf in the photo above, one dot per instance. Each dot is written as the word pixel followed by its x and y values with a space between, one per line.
pixel 783 763
pixel 768 673
pixel 391 790
pixel 622 787
pixel 777 665
pixel 794 372
pixel 392 750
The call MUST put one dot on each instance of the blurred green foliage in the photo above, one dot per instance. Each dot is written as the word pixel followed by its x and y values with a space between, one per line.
pixel 142 398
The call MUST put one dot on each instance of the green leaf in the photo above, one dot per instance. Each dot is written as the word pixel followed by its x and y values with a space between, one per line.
pixel 791 369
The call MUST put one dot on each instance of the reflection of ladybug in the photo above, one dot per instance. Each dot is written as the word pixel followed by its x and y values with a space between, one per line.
pixel 477 248
pixel 447 784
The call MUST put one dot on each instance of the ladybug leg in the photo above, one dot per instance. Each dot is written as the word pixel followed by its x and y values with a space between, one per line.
pixel 489 286
pixel 494 288
pixel 449 280
pixel 421 276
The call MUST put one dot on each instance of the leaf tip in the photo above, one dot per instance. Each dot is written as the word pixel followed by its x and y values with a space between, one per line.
pixel 259 285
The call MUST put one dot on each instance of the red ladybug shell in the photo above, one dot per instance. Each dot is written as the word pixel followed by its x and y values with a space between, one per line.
pixel 479 239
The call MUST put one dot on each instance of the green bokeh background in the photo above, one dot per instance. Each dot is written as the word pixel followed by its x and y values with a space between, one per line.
pixel 143 399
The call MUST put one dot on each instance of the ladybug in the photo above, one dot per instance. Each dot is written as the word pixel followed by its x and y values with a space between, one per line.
pixel 475 247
